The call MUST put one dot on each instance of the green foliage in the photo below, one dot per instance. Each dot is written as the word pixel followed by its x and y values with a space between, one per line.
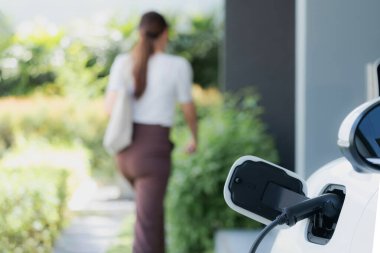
pixel 53 61
pixel 83 74
pixel 6 137
pixel 86 63
pixel 195 204
pixel 57 122
pixel 28 62
pixel 43 151
pixel 56 61
pixel 200 44
pixel 33 206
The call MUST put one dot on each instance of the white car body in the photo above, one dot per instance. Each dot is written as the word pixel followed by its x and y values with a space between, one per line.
pixel 355 229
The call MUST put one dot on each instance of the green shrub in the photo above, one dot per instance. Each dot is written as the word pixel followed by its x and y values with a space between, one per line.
pixel 27 62
pixel 33 206
pixel 200 44
pixel 57 122
pixel 6 137
pixel 195 203
pixel 62 62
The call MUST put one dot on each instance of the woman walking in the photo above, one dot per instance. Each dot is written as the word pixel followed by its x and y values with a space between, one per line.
pixel 159 81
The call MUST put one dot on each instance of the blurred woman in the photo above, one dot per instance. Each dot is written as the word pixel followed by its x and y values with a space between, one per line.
pixel 159 81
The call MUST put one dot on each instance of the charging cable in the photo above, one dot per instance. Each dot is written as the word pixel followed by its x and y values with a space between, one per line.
pixel 328 204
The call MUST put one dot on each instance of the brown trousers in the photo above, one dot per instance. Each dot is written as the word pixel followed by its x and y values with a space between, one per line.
pixel 146 165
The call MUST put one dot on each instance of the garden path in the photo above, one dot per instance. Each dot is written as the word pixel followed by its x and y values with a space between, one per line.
pixel 97 222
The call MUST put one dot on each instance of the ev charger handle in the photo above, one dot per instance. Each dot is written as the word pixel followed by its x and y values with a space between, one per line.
pixel 329 204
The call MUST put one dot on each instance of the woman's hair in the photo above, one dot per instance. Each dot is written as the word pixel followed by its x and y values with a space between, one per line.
pixel 151 27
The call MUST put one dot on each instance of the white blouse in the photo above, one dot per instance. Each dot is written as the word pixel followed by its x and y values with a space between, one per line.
pixel 169 80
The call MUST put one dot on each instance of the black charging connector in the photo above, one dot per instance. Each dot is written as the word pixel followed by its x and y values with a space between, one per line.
pixel 328 204
pixel 321 228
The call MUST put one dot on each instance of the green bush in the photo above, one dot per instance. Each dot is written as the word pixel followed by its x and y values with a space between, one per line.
pixel 28 61
pixel 63 63
pixel 195 203
pixel 6 137
pixel 200 44
pixel 57 122
pixel 33 206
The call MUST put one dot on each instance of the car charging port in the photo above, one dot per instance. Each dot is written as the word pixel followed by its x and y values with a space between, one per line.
pixel 322 227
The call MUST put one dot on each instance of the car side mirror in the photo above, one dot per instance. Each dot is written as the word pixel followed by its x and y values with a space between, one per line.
pixel 260 190
pixel 359 137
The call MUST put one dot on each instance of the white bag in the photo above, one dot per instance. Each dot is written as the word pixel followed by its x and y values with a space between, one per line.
pixel 118 134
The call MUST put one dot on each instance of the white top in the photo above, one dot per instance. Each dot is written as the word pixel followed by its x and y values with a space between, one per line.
pixel 169 80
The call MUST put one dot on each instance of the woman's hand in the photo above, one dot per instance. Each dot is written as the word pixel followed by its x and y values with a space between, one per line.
pixel 191 147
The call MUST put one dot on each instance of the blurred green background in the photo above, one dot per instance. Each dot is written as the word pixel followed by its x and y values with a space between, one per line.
pixel 52 80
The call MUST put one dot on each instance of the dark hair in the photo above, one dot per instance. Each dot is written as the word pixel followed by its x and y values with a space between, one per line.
pixel 151 27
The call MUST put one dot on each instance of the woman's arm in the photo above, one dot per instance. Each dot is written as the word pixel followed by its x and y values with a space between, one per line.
pixel 189 112
pixel 110 101
pixel 116 81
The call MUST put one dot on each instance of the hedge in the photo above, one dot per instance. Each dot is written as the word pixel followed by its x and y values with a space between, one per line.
pixel 56 122
pixel 195 205
pixel 33 208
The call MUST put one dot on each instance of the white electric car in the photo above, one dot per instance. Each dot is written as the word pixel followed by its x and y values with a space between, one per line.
pixel 334 211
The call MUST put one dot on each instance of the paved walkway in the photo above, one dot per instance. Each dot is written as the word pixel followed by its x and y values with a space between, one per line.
pixel 240 241
pixel 98 215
